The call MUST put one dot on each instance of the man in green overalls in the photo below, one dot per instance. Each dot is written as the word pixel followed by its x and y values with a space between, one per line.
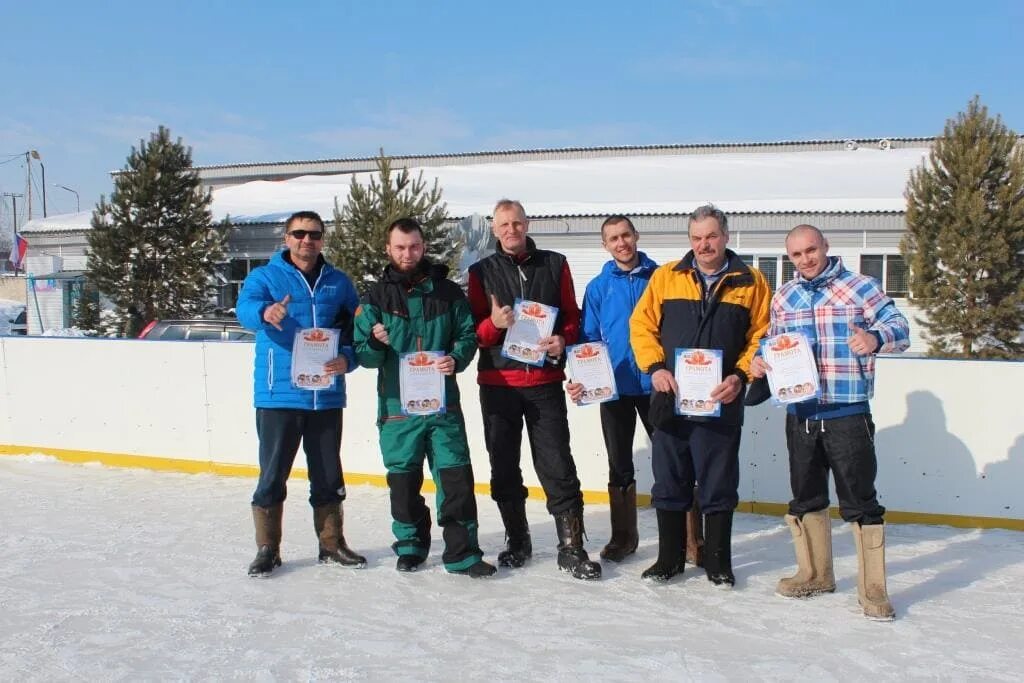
pixel 414 307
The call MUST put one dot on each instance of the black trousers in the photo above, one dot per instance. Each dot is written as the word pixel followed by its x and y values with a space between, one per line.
pixel 844 445
pixel 280 430
pixel 618 424
pixel 705 453
pixel 547 427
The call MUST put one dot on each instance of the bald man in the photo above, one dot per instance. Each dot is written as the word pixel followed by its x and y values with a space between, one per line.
pixel 847 318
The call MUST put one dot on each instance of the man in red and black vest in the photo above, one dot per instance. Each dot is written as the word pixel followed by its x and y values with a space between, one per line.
pixel 511 391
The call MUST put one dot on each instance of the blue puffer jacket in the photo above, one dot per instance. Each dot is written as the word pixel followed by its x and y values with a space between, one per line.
pixel 331 303
pixel 607 305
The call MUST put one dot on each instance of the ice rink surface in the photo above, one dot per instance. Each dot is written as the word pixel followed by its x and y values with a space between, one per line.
pixel 119 574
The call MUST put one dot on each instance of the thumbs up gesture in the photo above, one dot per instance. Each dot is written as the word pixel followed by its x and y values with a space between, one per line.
pixel 860 341
pixel 276 312
pixel 501 316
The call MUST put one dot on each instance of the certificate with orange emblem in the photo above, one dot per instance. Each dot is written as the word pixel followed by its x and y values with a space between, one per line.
pixel 420 383
pixel 533 322
pixel 698 372
pixel 590 365
pixel 794 373
pixel 313 347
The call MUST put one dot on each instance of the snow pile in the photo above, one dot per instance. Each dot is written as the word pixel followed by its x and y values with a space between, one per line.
pixel 132 574
pixel 63 332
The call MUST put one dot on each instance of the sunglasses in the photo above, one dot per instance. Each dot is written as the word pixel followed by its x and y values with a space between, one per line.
pixel 300 235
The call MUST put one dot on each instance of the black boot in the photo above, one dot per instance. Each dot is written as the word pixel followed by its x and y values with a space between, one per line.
pixel 479 570
pixel 519 547
pixel 572 557
pixel 409 563
pixel 624 540
pixel 328 522
pixel 671 546
pixel 268 539
pixel 718 549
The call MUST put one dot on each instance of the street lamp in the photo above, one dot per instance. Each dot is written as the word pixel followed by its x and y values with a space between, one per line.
pixel 78 203
pixel 35 155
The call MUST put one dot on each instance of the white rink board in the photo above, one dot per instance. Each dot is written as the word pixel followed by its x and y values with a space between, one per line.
pixel 950 434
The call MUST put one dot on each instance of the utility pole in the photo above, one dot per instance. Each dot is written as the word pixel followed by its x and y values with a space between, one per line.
pixel 28 181
pixel 14 221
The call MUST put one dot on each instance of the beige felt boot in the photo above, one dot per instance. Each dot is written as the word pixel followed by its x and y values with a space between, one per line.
pixel 812 540
pixel 871 591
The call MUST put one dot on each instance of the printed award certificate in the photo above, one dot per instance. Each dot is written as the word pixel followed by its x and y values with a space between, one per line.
pixel 590 365
pixel 533 322
pixel 421 385
pixel 794 374
pixel 698 372
pixel 313 347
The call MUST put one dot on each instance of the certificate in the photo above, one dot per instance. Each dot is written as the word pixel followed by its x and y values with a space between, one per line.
pixel 794 374
pixel 313 347
pixel 533 322
pixel 421 384
pixel 591 366
pixel 698 372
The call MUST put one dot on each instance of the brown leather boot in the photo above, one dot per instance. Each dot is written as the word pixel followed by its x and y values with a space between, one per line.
pixel 812 541
pixel 268 539
pixel 871 590
pixel 328 522
pixel 695 534
pixel 625 538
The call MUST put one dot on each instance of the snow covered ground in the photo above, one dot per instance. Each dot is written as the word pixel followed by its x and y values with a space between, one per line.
pixel 113 574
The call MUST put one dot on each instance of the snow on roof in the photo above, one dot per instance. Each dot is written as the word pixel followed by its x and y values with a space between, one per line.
pixel 756 182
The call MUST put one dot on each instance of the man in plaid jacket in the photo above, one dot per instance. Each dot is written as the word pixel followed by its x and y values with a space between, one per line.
pixel 847 318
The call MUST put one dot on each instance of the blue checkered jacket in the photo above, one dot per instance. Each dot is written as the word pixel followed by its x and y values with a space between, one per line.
pixel 825 309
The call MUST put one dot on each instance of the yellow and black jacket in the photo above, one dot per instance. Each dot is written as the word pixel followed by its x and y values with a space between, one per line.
pixel 674 312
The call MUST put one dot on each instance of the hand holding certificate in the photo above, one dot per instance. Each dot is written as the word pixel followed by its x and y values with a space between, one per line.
pixel 312 350
pixel 792 373
pixel 533 322
pixel 421 383
pixel 698 372
pixel 590 365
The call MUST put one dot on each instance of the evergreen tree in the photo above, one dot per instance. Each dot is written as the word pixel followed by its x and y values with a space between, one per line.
pixel 965 238
pixel 356 244
pixel 153 248
pixel 85 313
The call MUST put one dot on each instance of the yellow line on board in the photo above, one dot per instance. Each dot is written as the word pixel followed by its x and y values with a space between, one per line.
pixel 596 497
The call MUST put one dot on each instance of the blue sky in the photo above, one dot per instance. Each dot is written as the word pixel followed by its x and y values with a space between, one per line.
pixel 255 81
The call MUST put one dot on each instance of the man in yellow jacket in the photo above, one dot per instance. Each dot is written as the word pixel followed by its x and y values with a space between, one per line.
pixel 710 300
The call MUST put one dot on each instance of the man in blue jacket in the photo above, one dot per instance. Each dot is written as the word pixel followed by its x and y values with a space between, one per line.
pixel 607 305
pixel 298 290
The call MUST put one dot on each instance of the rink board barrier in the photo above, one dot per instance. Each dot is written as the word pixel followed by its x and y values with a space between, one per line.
pixel 949 433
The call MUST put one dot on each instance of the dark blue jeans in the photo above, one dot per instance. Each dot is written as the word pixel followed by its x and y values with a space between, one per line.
pixel 280 430
pixel 706 452
pixel 844 445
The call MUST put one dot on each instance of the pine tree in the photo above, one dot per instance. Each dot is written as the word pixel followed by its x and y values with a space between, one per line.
pixel 153 248
pixel 85 314
pixel 965 238
pixel 356 244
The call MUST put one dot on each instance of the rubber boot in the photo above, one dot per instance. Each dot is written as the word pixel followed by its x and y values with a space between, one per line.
pixel 871 590
pixel 695 534
pixel 268 539
pixel 572 557
pixel 812 541
pixel 671 547
pixel 625 538
pixel 328 521
pixel 718 549
pixel 519 546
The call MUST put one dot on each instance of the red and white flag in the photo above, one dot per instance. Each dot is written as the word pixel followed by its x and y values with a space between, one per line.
pixel 18 251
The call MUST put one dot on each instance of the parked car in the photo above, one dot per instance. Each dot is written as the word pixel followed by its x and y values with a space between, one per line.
pixel 198 329
pixel 20 324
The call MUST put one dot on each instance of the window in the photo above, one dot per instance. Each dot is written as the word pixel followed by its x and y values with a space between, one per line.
pixel 788 269
pixel 205 334
pixel 889 269
pixel 237 270
pixel 768 265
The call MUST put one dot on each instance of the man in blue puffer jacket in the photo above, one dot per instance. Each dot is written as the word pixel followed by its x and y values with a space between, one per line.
pixel 607 305
pixel 298 290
